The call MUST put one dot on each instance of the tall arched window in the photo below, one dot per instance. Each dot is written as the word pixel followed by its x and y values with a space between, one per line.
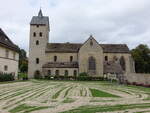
pixel 123 63
pixel 37 60
pixel 40 34
pixel 37 42
pixel 106 58
pixel 92 63
pixel 71 58
pixel 34 34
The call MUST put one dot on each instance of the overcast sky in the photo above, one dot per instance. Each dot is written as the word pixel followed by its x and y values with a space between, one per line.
pixel 109 21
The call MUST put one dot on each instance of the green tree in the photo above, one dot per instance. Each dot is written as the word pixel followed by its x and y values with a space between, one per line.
pixel 141 56
pixel 23 62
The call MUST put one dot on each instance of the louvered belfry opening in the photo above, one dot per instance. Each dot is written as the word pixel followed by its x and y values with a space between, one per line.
pixel 92 66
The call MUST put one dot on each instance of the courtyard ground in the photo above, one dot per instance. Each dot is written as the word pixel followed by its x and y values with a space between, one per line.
pixel 43 96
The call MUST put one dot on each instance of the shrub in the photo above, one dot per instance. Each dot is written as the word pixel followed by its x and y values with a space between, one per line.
pixel 23 76
pixel 6 77
pixel 83 76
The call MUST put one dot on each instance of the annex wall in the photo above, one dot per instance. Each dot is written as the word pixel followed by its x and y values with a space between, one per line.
pixel 138 79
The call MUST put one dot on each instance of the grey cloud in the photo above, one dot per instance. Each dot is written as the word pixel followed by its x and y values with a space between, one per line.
pixel 110 21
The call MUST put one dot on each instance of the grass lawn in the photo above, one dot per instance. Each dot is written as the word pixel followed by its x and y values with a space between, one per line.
pixel 71 97
pixel 98 93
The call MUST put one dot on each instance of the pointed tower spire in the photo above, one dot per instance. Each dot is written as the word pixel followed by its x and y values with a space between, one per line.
pixel 40 14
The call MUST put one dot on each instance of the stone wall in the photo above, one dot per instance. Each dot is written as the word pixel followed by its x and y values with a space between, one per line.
pixel 61 57
pixel 128 60
pixel 91 48
pixel 37 51
pixel 138 79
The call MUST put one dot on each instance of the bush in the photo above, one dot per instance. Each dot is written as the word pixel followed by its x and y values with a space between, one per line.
pixel 6 77
pixel 23 76
pixel 83 76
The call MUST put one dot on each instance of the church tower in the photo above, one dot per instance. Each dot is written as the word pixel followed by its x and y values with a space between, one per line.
pixel 39 36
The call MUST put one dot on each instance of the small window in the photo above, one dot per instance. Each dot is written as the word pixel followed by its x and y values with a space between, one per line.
pixel 7 54
pixel 37 60
pixel 57 72
pixel 14 55
pixel 40 34
pixel 34 34
pixel 55 58
pixel 49 72
pixel 71 58
pixel 37 42
pixel 37 25
pixel 5 68
pixel 66 72
pixel 75 72
pixel 106 58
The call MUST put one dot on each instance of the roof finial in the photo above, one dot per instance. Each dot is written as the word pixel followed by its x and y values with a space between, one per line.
pixel 40 13
pixel 91 35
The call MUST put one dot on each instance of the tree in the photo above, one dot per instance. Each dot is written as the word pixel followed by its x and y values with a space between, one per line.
pixel 23 62
pixel 141 56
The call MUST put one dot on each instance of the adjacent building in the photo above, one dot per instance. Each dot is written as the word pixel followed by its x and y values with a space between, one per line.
pixel 9 55
pixel 70 59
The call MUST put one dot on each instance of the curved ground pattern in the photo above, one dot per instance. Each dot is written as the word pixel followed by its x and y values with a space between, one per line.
pixel 45 96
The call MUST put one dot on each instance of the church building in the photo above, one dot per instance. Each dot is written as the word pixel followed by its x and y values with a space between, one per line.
pixel 71 59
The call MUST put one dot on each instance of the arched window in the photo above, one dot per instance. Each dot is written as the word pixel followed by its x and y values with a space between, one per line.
pixel 49 72
pixel 34 34
pixel 40 34
pixel 37 74
pixel 37 42
pixel 92 63
pixel 71 58
pixel 37 60
pixel 57 72
pixel 75 73
pixel 106 58
pixel 123 63
pixel 55 58
pixel 66 72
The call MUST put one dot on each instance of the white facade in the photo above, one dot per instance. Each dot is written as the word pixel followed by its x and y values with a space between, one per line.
pixel 8 61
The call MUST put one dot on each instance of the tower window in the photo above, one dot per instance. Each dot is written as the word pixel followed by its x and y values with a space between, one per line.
pixel 34 34
pixel 37 42
pixel 37 60
pixel 71 58
pixel 55 58
pixel 106 58
pixel 5 68
pixel 37 25
pixel 40 34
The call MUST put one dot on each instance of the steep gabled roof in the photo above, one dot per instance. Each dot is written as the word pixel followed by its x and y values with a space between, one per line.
pixel 74 48
pixel 63 47
pixel 115 48
pixel 6 42
pixel 40 19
